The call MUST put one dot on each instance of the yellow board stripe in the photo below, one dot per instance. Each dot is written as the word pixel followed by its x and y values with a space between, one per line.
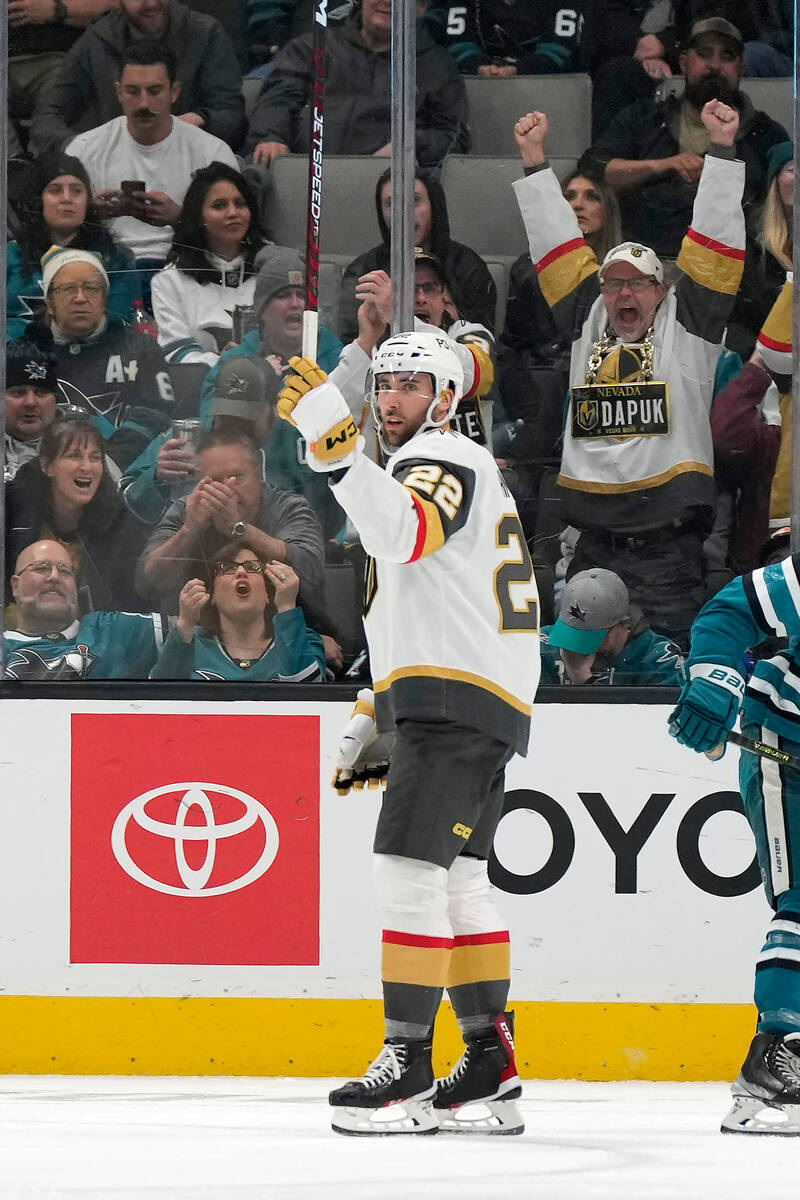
pixel 476 964
pixel 383 685
pixel 718 272
pixel 637 485
pixel 424 966
pixel 155 1035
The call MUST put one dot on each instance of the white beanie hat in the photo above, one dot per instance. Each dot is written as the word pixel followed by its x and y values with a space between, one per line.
pixel 59 256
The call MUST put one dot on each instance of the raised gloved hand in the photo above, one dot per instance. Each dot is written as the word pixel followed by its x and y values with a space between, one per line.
pixel 707 707
pixel 363 756
pixel 319 410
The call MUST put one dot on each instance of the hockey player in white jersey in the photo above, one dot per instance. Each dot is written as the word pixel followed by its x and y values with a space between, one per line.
pixel 451 616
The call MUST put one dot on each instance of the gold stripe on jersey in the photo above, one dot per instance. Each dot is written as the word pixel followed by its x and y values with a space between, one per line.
pixel 484 370
pixel 564 268
pixel 428 672
pixel 421 965
pixel 430 536
pixel 711 264
pixel 634 485
pixel 475 964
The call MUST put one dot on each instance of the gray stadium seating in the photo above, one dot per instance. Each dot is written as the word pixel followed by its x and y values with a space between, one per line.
pixel 251 90
pixel 349 224
pixel 772 96
pixel 495 105
pixel 482 205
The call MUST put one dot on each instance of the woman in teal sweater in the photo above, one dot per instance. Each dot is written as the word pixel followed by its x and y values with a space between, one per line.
pixel 61 213
pixel 252 629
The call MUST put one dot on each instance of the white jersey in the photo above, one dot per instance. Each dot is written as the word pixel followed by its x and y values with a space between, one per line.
pixel 451 612
pixel 195 320
pixel 110 155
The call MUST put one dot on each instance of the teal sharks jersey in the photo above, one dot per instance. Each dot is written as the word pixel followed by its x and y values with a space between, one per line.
pixel 763 604
pixel 296 655
pixel 102 645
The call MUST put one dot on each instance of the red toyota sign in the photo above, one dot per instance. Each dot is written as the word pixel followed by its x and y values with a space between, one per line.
pixel 195 839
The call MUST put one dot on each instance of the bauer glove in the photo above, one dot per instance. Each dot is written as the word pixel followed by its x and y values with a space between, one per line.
pixel 707 707
pixel 363 756
pixel 319 410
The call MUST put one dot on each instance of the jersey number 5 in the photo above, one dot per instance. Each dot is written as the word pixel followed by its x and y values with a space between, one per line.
pixel 514 570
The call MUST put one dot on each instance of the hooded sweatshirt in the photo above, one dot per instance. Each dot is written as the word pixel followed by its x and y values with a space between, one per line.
pixel 470 281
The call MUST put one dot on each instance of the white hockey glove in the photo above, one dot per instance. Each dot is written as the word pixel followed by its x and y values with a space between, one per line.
pixel 363 756
pixel 319 410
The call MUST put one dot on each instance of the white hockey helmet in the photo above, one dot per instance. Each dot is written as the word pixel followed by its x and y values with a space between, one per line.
pixel 426 353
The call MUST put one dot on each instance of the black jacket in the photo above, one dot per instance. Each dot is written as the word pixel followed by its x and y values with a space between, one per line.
pixel 469 279
pixel 83 94
pixel 120 377
pixel 357 97
pixel 659 212
pixel 108 540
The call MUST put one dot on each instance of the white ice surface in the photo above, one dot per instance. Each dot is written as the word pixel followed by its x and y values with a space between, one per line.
pixel 112 1138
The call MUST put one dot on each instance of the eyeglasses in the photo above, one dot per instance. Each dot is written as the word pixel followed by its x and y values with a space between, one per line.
pixel 45 567
pixel 72 289
pixel 429 288
pixel 636 285
pixel 227 566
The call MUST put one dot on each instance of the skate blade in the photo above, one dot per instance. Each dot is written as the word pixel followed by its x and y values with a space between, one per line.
pixel 754 1116
pixel 497 1117
pixel 404 1117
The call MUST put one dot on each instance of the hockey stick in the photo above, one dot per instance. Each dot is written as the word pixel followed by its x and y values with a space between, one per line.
pixel 761 748
pixel 317 115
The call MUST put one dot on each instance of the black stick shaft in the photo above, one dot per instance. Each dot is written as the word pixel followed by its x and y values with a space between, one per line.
pixel 781 757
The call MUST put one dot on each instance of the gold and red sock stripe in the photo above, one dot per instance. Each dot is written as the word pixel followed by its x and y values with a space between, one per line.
pixel 480 957
pixel 415 959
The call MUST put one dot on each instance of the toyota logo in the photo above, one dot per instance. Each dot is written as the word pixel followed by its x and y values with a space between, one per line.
pixel 194 800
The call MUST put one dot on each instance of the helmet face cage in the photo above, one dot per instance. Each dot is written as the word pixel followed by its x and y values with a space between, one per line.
pixel 419 354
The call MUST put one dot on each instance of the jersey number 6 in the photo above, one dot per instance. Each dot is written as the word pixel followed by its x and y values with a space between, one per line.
pixel 514 570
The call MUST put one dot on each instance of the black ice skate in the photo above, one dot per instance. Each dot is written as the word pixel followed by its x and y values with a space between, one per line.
pixel 480 1096
pixel 394 1095
pixel 766 1094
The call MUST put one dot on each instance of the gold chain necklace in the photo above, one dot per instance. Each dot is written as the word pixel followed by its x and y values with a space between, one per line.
pixel 606 341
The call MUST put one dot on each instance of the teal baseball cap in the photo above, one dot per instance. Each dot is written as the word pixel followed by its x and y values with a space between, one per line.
pixel 593 601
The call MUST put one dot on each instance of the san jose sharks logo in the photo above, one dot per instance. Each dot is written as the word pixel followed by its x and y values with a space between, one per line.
pixel 35 371
pixel 104 404
pixel 27 308
pixel 29 664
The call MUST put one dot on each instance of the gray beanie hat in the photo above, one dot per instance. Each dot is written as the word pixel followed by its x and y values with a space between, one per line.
pixel 278 267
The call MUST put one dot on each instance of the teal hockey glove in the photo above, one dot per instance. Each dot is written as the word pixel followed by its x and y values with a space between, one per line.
pixel 707 707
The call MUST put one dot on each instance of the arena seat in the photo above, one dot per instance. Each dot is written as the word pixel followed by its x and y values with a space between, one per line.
pixel 251 90
pixel 772 96
pixel 349 225
pixel 482 205
pixel 495 105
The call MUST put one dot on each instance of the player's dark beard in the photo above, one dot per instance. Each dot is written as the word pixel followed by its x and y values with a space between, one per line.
pixel 712 87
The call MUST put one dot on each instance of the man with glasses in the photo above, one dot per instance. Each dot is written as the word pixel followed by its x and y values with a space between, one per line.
pixel 112 371
pixel 637 468
pixel 228 507
pixel 52 642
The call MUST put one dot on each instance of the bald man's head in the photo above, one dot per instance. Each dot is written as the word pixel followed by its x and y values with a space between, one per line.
pixel 44 588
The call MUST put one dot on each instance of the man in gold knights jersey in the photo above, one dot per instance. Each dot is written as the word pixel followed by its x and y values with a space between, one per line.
pixel 637 469
pixel 452 622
